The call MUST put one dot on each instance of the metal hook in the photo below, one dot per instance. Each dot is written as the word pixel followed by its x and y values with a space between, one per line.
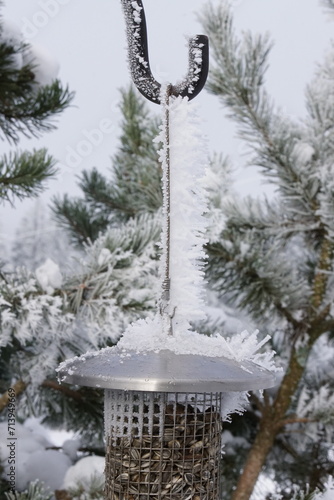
pixel 139 61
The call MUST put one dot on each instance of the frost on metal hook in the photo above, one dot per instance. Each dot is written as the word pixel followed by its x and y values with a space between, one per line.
pixel 198 68
pixel 138 51
pixel 140 69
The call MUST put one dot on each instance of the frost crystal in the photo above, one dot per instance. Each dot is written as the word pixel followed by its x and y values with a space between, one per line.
pixel 186 153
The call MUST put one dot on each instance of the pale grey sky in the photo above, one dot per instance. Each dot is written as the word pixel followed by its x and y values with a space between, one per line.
pixel 88 40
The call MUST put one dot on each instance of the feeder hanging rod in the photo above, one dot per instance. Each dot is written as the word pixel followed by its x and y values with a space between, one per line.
pixel 150 88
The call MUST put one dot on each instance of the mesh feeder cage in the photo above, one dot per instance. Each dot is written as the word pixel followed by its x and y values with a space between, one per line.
pixel 163 419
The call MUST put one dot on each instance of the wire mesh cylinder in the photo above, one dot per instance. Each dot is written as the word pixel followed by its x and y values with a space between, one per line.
pixel 162 445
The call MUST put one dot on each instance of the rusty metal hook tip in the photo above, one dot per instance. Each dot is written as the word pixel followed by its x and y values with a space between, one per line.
pixel 141 73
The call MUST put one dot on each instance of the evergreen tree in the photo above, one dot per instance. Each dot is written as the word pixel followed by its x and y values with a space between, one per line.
pixel 26 109
pixel 273 259
pixel 134 187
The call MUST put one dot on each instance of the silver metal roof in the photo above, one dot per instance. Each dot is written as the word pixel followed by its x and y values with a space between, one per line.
pixel 164 371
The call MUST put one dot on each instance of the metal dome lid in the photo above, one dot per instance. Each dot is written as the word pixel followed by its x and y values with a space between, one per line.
pixel 163 371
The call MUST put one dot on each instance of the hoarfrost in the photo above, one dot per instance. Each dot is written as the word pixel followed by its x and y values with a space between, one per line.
pixel 316 404
pixel 187 156
pixel 147 335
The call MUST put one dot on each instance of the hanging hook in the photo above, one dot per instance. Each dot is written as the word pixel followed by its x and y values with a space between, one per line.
pixel 139 60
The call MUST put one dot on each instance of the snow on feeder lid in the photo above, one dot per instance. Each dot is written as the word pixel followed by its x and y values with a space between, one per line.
pixel 165 385
pixel 163 371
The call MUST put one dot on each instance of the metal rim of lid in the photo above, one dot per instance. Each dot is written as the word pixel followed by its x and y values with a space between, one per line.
pixel 164 371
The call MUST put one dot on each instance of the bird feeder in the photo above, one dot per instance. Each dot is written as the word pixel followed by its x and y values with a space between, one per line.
pixel 163 419
pixel 163 409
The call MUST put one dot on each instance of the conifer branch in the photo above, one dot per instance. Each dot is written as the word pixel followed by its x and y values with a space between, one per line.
pixel 254 281
pixel 24 174
pixel 321 278
pixel 78 220
pixel 238 80
pixel 295 420
pixel 52 384
pixel 32 112
pixel 135 186
pixel 257 401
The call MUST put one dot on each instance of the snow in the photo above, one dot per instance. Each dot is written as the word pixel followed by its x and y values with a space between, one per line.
pixel 84 471
pixel 49 466
pixel 36 461
pixel 46 67
pixel 49 276
pixel 104 257
pixel 33 460
pixel 40 434
pixel 329 493
pixel 302 153
pixel 30 441
pixel 11 35
pixel 71 447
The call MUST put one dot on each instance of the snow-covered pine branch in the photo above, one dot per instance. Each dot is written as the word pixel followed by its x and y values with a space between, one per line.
pixel 279 146
pixel 119 282
pixel 320 107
